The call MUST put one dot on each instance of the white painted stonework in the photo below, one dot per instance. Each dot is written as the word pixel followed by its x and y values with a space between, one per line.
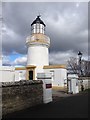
pixel 0 60
pixel 38 55
pixel 73 83
pixel 58 76
pixel 9 74
pixel 47 91
pixel 20 75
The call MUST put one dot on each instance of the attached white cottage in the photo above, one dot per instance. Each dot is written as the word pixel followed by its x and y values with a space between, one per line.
pixel 59 74
pixel 7 74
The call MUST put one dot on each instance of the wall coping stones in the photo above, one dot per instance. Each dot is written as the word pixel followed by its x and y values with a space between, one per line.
pixel 21 82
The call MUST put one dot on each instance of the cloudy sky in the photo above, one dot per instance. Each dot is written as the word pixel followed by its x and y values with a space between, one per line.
pixel 66 25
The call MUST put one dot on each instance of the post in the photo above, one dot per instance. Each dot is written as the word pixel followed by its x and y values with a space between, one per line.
pixel 80 61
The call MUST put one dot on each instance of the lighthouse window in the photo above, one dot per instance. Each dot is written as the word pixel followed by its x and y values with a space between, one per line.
pixel 34 26
pixel 38 31
pixel 37 26
pixel 33 29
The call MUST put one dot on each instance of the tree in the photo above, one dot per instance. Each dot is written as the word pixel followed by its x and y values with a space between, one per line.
pixel 73 66
pixel 86 68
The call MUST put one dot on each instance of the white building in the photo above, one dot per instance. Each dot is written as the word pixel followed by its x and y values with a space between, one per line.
pixel 37 59
pixel 59 74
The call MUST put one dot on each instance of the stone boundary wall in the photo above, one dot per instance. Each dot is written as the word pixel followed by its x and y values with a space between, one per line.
pixel 85 81
pixel 21 95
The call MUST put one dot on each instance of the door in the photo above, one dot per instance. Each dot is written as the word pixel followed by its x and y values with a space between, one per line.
pixel 30 75
pixel 52 73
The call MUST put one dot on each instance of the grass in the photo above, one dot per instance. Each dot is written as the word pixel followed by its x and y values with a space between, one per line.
pixel 87 90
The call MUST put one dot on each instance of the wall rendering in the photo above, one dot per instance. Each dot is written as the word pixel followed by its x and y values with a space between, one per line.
pixel 59 75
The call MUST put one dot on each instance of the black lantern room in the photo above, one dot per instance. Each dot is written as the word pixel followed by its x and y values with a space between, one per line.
pixel 38 25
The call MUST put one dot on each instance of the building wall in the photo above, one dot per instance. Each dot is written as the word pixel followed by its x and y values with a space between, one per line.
pixel 85 81
pixel 20 75
pixel 0 60
pixel 38 56
pixel 21 95
pixel 58 76
pixel 39 69
pixel 7 73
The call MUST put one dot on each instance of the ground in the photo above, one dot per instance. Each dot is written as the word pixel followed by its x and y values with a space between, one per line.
pixel 63 106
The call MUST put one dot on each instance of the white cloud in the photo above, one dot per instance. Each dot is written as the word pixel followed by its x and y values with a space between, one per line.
pixel 6 60
pixel 7 32
pixel 20 61
pixel 68 22
pixel 84 34
pixel 77 5
pixel 12 42
pixel 60 57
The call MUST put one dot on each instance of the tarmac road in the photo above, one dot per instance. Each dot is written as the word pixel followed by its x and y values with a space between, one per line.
pixel 75 106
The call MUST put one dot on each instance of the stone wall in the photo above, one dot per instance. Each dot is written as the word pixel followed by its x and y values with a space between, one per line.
pixel 85 81
pixel 20 95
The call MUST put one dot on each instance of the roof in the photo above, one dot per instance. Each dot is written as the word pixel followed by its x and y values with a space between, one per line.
pixel 30 66
pixel 24 68
pixel 38 20
pixel 55 66
pixel 20 68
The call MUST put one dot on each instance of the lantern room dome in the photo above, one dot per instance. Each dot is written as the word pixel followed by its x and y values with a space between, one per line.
pixel 38 20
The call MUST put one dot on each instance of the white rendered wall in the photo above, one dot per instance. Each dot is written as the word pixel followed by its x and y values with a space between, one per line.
pixel 20 75
pixel 0 69
pixel 38 56
pixel 8 74
pixel 73 83
pixel 59 75
pixel 38 69
pixel 0 61
pixel 47 92
pixel 73 86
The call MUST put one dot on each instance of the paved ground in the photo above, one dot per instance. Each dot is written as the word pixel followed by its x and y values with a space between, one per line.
pixel 67 106
pixel 59 93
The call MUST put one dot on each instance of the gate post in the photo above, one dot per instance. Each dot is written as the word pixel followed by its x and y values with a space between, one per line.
pixel 47 86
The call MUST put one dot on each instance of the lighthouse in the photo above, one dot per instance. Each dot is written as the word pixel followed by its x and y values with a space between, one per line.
pixel 38 44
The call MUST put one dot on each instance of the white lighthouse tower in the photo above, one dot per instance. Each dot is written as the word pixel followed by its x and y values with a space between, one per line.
pixel 38 44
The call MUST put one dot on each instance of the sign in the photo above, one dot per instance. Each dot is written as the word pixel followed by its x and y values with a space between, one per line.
pixel 48 85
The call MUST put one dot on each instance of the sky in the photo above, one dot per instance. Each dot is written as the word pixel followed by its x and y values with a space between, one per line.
pixel 66 25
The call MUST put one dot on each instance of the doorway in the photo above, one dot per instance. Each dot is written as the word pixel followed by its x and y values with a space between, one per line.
pixel 30 75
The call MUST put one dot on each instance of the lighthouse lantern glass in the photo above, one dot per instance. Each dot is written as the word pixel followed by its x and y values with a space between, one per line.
pixel 37 28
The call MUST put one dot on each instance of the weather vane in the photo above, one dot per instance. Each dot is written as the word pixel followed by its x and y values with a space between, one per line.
pixel 39 15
